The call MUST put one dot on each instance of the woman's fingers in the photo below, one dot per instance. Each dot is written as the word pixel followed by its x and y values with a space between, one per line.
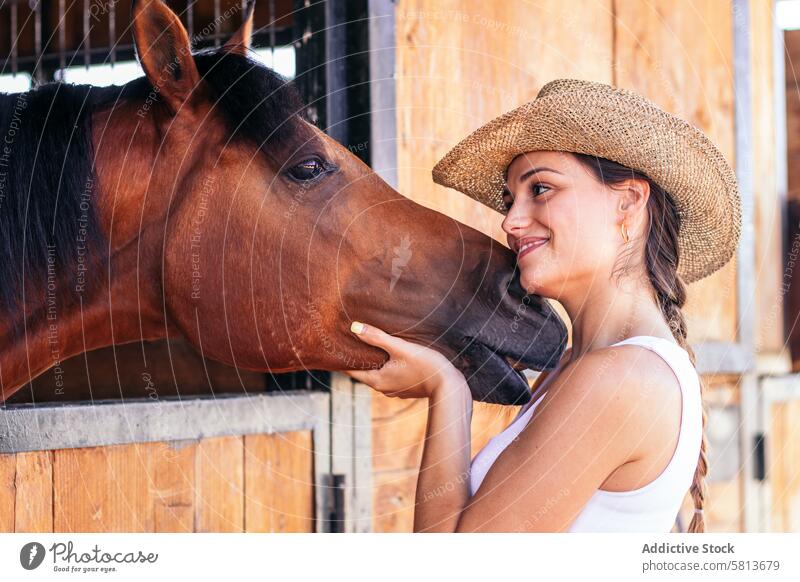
pixel 373 335
pixel 363 376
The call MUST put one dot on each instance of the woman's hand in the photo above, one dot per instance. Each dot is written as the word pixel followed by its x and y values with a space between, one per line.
pixel 413 371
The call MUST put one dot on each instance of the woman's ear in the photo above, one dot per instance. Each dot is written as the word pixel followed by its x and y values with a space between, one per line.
pixel 633 195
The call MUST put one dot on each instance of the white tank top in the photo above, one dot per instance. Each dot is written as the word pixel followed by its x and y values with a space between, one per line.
pixel 653 507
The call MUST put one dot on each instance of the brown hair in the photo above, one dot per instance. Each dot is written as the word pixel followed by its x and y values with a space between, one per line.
pixel 661 259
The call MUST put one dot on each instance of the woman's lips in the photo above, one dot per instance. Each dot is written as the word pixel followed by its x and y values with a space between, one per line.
pixel 530 245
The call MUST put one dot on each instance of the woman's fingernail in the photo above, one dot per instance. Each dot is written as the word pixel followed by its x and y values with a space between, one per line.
pixel 357 327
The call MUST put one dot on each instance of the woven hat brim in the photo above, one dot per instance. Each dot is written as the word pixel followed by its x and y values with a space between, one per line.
pixel 599 120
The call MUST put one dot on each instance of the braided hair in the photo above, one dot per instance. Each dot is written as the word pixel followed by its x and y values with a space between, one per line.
pixel 661 260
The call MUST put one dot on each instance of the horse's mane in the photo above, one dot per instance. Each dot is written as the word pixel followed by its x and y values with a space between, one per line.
pixel 47 216
pixel 258 104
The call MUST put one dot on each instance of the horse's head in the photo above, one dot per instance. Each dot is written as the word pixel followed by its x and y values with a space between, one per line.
pixel 272 237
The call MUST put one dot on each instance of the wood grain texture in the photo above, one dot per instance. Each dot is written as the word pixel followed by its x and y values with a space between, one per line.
pixel 180 486
pixel 768 220
pixel 103 489
pixel 34 488
pixel 792 66
pixel 783 468
pixel 279 482
pixel 219 492
pixel 8 494
pixel 679 55
pixel 393 510
pixel 172 485
pixel 462 63
pixel 398 434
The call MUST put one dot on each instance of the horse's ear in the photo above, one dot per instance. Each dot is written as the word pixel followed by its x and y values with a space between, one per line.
pixel 240 41
pixel 164 51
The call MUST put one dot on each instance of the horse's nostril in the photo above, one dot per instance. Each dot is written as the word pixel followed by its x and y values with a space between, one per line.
pixel 516 364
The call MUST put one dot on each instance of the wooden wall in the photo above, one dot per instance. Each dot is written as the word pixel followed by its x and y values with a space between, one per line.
pixel 461 63
pixel 253 483
pixel 792 64
pixel 783 447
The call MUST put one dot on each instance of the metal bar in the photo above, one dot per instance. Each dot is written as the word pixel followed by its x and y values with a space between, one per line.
pixel 743 126
pixel 87 58
pixel 383 122
pixel 71 55
pixel 37 41
pixel 335 71
pixel 62 36
pixel 112 31
pixel 272 25
pixel 190 18
pixel 14 39
pixel 216 20
pixel 41 428
pixel 335 496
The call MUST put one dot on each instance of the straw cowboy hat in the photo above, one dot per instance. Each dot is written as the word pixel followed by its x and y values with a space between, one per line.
pixel 600 120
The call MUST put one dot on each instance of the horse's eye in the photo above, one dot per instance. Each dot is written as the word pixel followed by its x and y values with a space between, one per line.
pixel 307 170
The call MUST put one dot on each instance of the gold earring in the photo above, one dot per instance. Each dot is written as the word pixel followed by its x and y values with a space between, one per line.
pixel 624 230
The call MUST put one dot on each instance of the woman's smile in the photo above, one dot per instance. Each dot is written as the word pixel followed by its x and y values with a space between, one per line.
pixel 529 244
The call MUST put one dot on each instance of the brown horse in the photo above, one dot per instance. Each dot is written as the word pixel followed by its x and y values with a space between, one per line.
pixel 197 201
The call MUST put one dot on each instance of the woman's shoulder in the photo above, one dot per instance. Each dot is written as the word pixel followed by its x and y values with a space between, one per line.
pixel 627 381
pixel 624 362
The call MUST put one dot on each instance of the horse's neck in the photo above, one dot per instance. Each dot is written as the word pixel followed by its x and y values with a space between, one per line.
pixel 113 314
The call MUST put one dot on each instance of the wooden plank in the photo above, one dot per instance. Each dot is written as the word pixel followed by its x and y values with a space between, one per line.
pixel 279 478
pixel 394 500
pixel 783 457
pixel 101 489
pixel 768 219
pixel 398 431
pixel 342 439
pixel 8 494
pixel 362 490
pixel 172 482
pixel 461 63
pixel 34 486
pixel 680 55
pixel 219 499
pixel 792 57
pixel 398 436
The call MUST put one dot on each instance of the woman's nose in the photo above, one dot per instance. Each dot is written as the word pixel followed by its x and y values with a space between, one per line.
pixel 517 219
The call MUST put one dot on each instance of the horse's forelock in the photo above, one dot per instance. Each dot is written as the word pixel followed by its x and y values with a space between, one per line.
pixel 258 104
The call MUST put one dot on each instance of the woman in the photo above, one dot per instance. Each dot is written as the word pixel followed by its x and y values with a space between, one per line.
pixel 611 205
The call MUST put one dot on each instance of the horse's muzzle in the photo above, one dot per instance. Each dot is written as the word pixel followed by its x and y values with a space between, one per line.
pixel 511 325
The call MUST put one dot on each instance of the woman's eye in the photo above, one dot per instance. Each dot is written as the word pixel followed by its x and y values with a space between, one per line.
pixel 536 191
pixel 307 170
pixel 539 189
